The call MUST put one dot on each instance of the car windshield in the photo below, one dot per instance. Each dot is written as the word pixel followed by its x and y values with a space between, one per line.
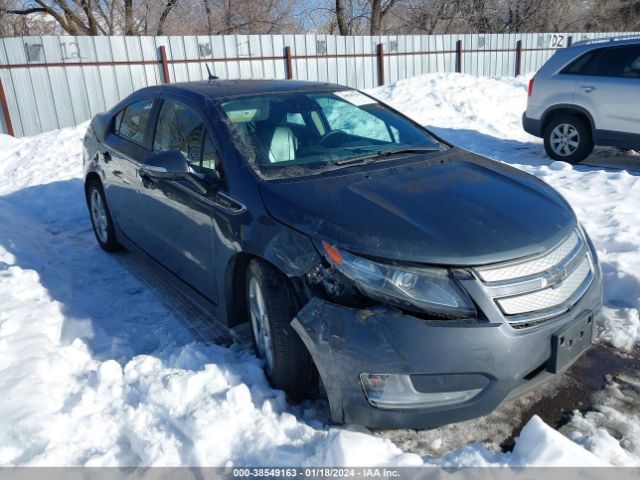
pixel 297 132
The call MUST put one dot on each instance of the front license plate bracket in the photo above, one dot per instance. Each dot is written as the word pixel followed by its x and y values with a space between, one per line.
pixel 568 343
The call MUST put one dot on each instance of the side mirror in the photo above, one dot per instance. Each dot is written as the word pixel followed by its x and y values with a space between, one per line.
pixel 167 165
pixel 170 165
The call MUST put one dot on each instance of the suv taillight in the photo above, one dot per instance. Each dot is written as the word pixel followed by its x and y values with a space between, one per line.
pixel 530 87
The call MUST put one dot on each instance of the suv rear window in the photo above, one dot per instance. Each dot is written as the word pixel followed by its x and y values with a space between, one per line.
pixel 131 123
pixel 608 62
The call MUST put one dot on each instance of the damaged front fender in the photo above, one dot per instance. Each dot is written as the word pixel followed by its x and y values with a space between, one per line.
pixel 340 341
pixel 438 356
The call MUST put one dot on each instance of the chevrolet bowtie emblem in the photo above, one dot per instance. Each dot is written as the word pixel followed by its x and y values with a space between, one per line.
pixel 558 277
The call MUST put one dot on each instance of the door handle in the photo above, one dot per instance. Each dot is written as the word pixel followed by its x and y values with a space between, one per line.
pixel 107 157
pixel 588 88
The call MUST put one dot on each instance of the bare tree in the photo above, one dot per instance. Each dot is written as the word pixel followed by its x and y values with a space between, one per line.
pixel 341 20
pixel 75 17
pixel 153 17
pixel 163 16
pixel 128 17
pixel 21 25
pixel 427 16
pixel 612 15
pixel 379 10
pixel 342 17
pixel 357 17
pixel 68 16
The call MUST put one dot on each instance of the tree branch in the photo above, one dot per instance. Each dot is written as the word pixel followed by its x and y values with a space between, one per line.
pixel 27 11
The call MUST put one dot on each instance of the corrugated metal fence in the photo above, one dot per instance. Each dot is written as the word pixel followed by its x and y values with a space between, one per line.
pixel 53 82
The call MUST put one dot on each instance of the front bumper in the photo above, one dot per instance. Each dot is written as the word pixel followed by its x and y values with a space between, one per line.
pixel 502 361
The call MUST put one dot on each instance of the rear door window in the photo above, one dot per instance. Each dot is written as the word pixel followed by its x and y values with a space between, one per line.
pixel 622 62
pixel 131 123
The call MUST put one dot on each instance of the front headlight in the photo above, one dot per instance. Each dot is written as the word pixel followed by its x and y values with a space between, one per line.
pixel 431 290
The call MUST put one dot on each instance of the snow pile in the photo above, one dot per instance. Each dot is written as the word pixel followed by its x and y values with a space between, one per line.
pixel 542 446
pixel 96 369
pixel 491 106
pixel 612 429
pixel 538 445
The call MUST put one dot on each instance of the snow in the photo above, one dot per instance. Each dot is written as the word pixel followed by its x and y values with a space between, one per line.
pixel 96 368
pixel 612 429
pixel 538 446
pixel 532 448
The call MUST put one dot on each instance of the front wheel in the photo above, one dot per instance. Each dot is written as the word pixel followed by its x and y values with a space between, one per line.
pixel 568 138
pixel 271 305
pixel 101 217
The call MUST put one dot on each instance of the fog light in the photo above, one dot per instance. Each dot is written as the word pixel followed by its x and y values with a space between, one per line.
pixel 397 391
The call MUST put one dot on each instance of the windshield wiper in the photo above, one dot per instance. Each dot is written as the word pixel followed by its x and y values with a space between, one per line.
pixel 384 153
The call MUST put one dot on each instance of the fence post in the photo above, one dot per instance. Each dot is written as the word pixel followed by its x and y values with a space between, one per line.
pixel 518 57
pixel 569 40
pixel 165 64
pixel 459 56
pixel 5 111
pixel 380 56
pixel 287 58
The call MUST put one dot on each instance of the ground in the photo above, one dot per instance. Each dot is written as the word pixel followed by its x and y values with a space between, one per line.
pixel 99 367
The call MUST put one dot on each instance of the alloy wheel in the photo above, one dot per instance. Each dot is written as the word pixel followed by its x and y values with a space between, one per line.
pixel 564 139
pixel 99 216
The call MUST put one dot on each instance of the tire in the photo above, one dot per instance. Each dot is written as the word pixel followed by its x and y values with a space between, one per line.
pixel 288 364
pixel 102 223
pixel 568 138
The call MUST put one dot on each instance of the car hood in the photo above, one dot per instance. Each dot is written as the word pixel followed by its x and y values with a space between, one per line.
pixel 454 209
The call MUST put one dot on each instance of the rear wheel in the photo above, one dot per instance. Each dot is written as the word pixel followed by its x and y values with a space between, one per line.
pixel 101 217
pixel 271 305
pixel 568 138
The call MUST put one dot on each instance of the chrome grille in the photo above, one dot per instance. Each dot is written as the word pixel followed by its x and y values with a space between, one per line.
pixel 549 297
pixel 532 291
pixel 531 267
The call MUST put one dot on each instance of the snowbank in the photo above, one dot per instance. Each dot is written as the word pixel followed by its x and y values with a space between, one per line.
pixel 96 369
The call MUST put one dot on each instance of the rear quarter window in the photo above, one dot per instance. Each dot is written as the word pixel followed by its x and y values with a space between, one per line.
pixel 580 66
pixel 131 123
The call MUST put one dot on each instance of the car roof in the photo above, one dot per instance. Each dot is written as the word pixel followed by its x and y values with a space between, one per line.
pixel 216 89
pixel 608 42
pixel 564 56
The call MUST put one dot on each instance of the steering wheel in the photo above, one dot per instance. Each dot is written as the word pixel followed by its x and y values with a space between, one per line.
pixel 334 138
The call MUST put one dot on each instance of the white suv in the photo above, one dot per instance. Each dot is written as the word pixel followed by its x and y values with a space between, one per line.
pixel 586 95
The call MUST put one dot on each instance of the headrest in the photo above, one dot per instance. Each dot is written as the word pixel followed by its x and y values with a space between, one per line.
pixel 283 145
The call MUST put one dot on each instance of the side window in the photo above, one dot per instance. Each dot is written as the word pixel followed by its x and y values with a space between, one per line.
pixel 608 62
pixel 353 121
pixel 131 123
pixel 582 65
pixel 181 128
pixel 620 62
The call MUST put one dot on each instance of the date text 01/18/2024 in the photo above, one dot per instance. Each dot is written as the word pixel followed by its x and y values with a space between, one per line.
pixel 316 472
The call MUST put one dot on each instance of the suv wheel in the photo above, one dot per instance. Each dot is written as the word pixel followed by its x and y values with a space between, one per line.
pixel 101 217
pixel 271 306
pixel 568 138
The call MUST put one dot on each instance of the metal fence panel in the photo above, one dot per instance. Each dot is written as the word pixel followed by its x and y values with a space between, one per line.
pixel 53 82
